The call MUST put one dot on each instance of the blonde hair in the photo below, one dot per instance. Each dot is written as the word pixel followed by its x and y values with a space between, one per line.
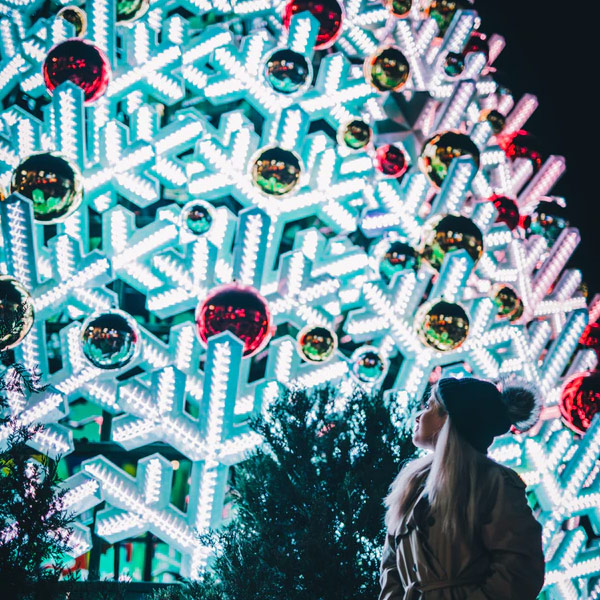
pixel 454 475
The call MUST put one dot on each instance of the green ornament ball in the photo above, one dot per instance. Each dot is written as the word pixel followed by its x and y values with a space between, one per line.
pixel 316 344
pixel 276 171
pixel 443 326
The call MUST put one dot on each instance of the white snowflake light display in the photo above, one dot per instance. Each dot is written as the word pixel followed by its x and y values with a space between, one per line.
pixel 200 169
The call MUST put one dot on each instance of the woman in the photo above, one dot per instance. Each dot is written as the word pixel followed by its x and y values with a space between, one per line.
pixel 458 523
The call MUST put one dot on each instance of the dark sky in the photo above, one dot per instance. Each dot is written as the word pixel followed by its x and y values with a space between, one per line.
pixel 553 51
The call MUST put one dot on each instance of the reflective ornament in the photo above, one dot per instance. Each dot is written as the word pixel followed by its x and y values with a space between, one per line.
pixel 76 16
pixel 110 339
pixel 508 212
pixel 197 217
pixel 287 71
pixel 316 344
pixel 398 257
pixel 239 309
pixel 367 365
pixel 477 43
pixel 452 232
pixel 443 12
pixel 276 171
pixel 440 150
pixel 510 306
pixel 387 70
pixel 356 134
pixel 580 401
pixel 131 10
pixel 443 326
pixel 399 8
pixel 16 312
pixel 454 64
pixel 590 338
pixel 495 118
pixel 521 145
pixel 328 13
pixel 391 161
pixel 52 183
pixel 547 222
pixel 80 62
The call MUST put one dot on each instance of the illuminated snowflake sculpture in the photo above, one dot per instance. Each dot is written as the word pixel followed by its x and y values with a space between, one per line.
pixel 185 118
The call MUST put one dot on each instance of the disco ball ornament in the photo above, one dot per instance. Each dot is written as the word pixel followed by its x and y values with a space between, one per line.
pixel 287 72
pixel 440 150
pixel 454 64
pixel 451 232
pixel 131 10
pixel 80 62
pixel 495 118
pixel 547 222
pixel 398 257
pixel 522 145
pixel 580 400
pixel 510 306
pixel 110 339
pixel 76 16
pixel 329 14
pixel 239 309
pixel 276 171
pixel 391 161
pixel 367 365
pixel 52 183
pixel 197 217
pixel 399 8
pixel 316 344
pixel 443 12
pixel 355 134
pixel 443 326
pixel 477 43
pixel 508 211
pixel 387 70
pixel 16 312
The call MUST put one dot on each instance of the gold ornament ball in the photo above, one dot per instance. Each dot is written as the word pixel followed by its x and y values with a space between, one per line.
pixel 387 70
pixel 443 326
pixel 16 312
pixel 76 16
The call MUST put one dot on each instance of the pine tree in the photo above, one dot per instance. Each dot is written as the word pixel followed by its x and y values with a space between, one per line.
pixel 309 513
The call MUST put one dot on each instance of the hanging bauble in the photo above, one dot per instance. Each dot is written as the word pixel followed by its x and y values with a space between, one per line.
pixel 52 183
pixel 80 62
pixel 16 312
pixel 131 10
pixel 329 14
pixel 398 257
pixel 580 400
pixel 495 118
pixel 399 8
pixel 443 12
pixel 452 232
pixel 387 70
pixel 443 326
pixel 316 344
pixel 590 338
pixel 287 71
pixel 547 222
pixel 110 339
pixel 391 161
pixel 355 134
pixel 508 211
pixel 440 150
pixel 276 171
pixel 239 309
pixel 367 365
pixel 76 16
pixel 477 43
pixel 521 145
pixel 197 217
pixel 454 64
pixel 505 297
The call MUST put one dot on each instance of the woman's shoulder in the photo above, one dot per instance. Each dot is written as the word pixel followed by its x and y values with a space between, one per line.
pixel 505 474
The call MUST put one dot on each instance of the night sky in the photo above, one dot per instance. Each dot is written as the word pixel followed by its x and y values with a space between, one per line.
pixel 550 52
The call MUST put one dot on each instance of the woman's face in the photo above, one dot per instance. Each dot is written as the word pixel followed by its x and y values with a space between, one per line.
pixel 428 422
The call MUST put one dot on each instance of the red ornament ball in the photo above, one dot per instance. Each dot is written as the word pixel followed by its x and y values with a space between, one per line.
pixel 477 43
pixel 521 145
pixel 590 337
pixel 580 400
pixel 329 13
pixel 508 212
pixel 82 63
pixel 391 161
pixel 239 309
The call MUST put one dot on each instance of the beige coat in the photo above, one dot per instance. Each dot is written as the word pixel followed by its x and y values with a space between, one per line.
pixel 419 560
